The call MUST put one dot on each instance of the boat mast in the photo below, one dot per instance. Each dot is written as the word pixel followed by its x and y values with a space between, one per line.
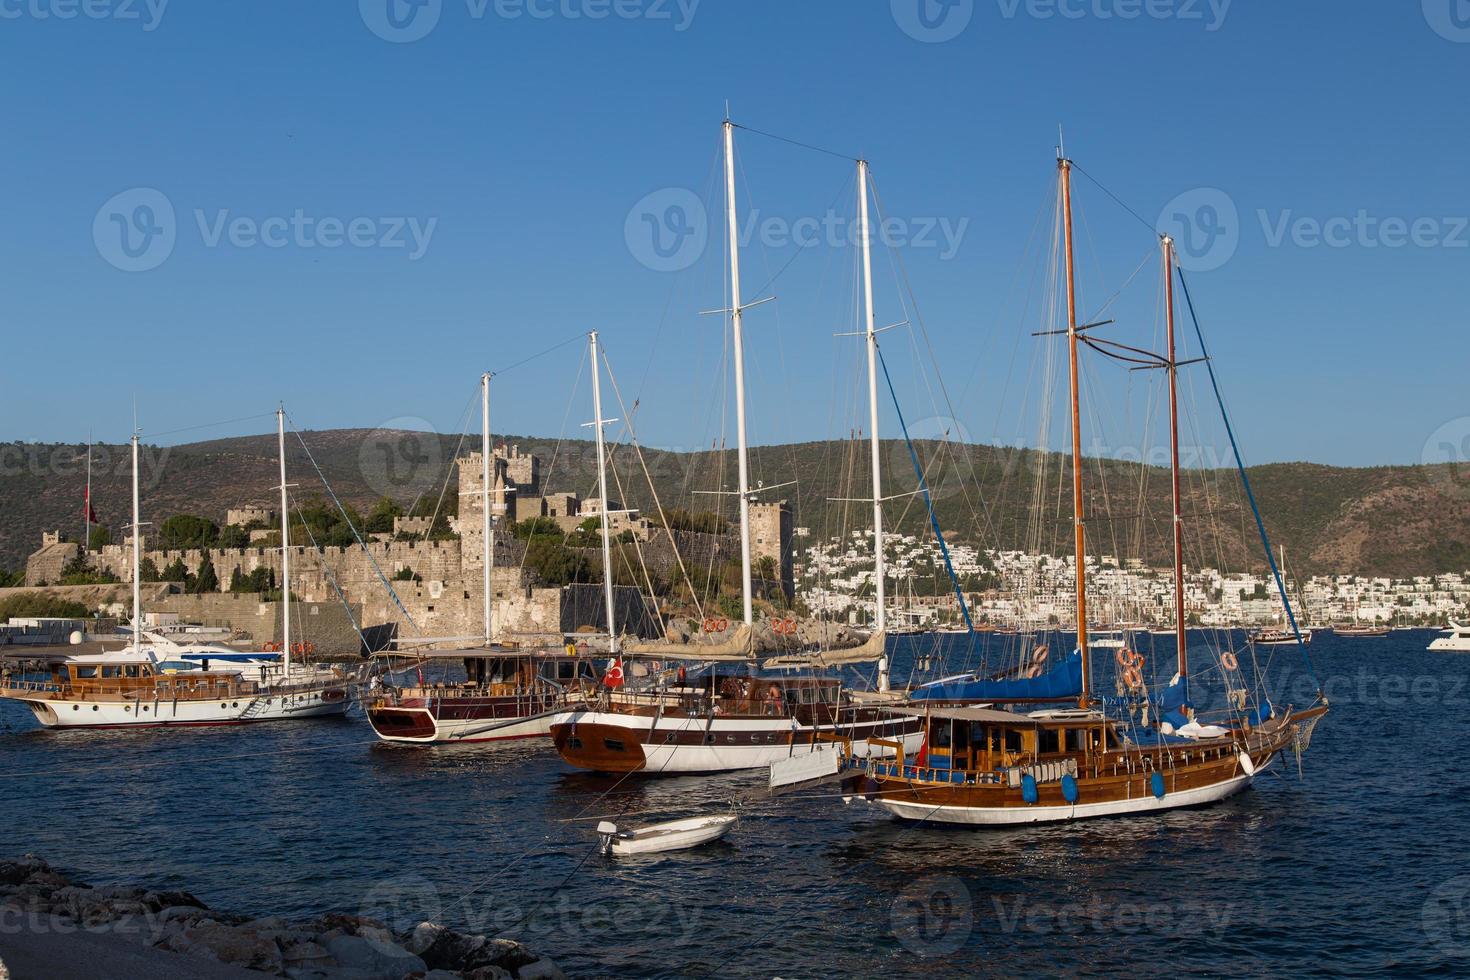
pixel 607 565
pixel 285 547
pixel 137 558
pixel 486 535
pixel 736 317
pixel 1180 636
pixel 87 503
pixel 1065 166
pixel 880 620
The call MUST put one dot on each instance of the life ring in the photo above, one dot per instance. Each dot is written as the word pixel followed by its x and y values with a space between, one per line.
pixel 1132 676
pixel 1229 661
pixel 790 627
pixel 721 624
pixel 1039 655
pixel 709 625
pixel 298 648
pixel 272 648
pixel 308 648
pixel 1122 656
pixel 1130 658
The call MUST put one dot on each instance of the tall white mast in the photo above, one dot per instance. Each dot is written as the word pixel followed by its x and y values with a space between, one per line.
pixel 137 558
pixel 87 503
pixel 881 619
pixel 285 546
pixel 607 565
pixel 736 316
pixel 486 535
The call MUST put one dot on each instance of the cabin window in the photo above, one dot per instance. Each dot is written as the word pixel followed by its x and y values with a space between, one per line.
pixel 614 745
pixel 109 671
pixel 943 735
pixel 1013 740
pixel 130 670
pixel 83 672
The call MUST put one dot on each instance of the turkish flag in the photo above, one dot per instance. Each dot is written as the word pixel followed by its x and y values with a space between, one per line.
pixel 614 675
pixel 921 761
pixel 87 502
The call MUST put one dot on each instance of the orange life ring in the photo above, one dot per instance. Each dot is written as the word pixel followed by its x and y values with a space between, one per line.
pixel 1132 676
pixel 272 647
pixel 1039 655
pixel 1121 655
pixel 1134 658
pixel 298 648
pixel 721 624
pixel 1229 661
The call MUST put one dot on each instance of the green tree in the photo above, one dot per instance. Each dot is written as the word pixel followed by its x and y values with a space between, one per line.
pixel 41 605
pixel 380 518
pixel 188 531
pixel 174 572
pixel 207 580
pixel 233 536
pixel 100 538
pixel 9 580
pixel 147 571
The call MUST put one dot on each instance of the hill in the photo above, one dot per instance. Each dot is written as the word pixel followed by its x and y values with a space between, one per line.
pixel 1395 520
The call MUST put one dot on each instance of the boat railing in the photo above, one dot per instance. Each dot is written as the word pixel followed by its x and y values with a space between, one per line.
pixel 44 687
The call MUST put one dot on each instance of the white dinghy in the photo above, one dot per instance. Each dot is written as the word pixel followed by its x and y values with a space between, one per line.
pixel 676 835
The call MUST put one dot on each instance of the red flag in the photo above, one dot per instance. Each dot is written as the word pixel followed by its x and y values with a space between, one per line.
pixel 87 503
pixel 921 761
pixel 614 675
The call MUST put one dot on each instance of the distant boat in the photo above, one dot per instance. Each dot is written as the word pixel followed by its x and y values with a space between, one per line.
pixel 676 835
pixel 1273 637
pixel 1456 639
pixel 1360 630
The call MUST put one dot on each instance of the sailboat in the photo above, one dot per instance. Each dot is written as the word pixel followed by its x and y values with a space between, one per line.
pixel 987 760
pixel 737 718
pixel 157 682
pixel 1282 635
pixel 508 692
pixel 1358 628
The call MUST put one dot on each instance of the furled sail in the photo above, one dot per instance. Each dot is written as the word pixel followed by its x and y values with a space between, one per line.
pixel 1061 683
pixel 735 648
pixel 869 651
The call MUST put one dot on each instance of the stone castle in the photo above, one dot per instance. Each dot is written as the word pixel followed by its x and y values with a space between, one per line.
pixel 444 596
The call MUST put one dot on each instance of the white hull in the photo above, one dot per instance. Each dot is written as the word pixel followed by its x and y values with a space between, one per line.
pixel 732 744
pixel 144 714
pixel 457 730
pixel 677 835
pixel 1013 816
pixel 1448 644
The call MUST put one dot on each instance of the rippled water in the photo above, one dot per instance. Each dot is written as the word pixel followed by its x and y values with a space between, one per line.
pixel 1362 869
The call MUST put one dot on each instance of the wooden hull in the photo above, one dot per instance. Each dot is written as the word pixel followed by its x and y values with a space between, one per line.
pixel 423 725
pixel 615 742
pixel 1120 783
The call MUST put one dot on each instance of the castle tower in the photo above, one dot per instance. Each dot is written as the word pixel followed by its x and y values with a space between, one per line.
pixel 771 528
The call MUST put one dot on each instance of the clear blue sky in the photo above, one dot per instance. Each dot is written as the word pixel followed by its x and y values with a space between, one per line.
pixel 528 140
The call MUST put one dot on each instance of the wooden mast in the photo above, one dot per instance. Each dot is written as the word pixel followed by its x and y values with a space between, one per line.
pixel 1180 636
pixel 1065 166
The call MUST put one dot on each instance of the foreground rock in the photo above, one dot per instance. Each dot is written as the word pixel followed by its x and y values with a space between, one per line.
pixel 53 927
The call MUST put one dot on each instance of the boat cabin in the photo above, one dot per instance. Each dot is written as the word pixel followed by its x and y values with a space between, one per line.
pixel 976 739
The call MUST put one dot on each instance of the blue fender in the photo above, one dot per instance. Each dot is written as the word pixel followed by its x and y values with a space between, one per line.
pixel 1028 788
pixel 1069 788
pixel 1156 784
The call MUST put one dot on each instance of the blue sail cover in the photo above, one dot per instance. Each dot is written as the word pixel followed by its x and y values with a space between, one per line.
pixel 1175 701
pixel 1060 684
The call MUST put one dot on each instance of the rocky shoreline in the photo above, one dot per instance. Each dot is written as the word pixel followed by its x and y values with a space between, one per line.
pixel 55 927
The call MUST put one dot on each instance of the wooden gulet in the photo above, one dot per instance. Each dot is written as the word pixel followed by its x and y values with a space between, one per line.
pixel 983 766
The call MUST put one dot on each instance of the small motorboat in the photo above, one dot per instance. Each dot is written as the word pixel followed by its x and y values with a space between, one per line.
pixel 676 835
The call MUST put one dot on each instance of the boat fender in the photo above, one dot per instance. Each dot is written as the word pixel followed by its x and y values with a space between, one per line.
pixel 1028 788
pixel 1246 765
pixel 1156 783
pixel 1069 788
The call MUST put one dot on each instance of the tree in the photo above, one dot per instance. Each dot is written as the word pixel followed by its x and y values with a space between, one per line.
pixel 147 571
pixel 207 580
pixel 234 536
pixel 78 572
pixel 188 531
pixel 9 580
pixel 380 518
pixel 39 604
pixel 100 538
pixel 533 527
pixel 174 572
